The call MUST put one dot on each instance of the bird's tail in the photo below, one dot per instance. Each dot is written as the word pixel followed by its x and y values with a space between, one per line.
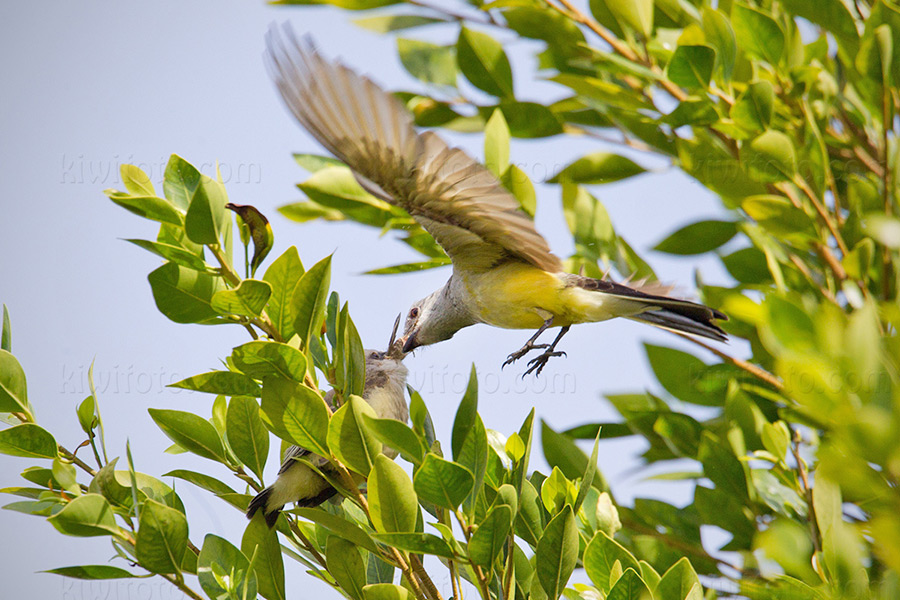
pixel 660 310
pixel 261 502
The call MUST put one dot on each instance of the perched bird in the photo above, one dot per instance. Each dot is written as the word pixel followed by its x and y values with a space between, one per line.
pixel 503 271
pixel 296 482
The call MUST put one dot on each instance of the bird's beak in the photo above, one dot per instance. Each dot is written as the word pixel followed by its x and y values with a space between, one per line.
pixel 410 343
pixel 394 332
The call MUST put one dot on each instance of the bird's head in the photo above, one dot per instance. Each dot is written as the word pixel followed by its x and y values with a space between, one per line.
pixel 420 329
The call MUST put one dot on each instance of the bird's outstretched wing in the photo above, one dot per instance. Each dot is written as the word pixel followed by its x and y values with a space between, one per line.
pixel 456 199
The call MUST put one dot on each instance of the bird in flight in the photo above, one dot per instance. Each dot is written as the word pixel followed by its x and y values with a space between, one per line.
pixel 504 273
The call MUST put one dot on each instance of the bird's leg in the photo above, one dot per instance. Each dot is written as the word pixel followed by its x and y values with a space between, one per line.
pixel 537 364
pixel 529 345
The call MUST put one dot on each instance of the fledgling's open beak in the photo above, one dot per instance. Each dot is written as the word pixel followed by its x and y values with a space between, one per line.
pixel 395 346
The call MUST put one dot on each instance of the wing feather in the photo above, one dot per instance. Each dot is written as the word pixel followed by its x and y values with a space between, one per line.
pixel 456 199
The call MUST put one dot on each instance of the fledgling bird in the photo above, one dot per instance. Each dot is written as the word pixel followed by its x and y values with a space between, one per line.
pixel 503 271
pixel 296 482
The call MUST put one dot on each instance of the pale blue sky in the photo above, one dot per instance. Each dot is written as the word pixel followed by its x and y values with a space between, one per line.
pixel 87 86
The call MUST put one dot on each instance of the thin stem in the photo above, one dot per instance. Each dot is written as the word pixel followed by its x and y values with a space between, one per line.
pixel 181 585
pixel 413 578
pixel 295 529
pixel 479 573
pixel 886 189
pixel 77 461
pixel 754 370
pixel 822 212
pixel 807 490
pixel 457 16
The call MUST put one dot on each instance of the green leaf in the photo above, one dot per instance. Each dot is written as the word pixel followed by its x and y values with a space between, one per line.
pixel 754 107
pixel 770 157
pixel 148 207
pixel 92 572
pixel 443 483
pixel 678 581
pixel 206 218
pixel 208 483
pixel 191 432
pixel 483 62
pixel 561 451
pixel 339 526
pixel 692 66
pixel 261 542
pixel 388 23
pixel 757 33
pixel 346 566
pixel 778 216
pixel 337 188
pixel 490 538
pixel 630 586
pixel 348 438
pixel 588 479
pixel 136 181
pixel 557 553
pixel 180 181
pixel 226 383
pixel 309 300
pixel 260 359
pixel 722 467
pixel 295 412
pixel 719 34
pixel 598 167
pixel 218 555
pixel 466 414
pixel 27 440
pixel 260 232
pixel 283 275
pixel 698 238
pixel 247 299
pixel 246 433
pixel 528 119
pixel 386 591
pixel 428 62
pixel 394 434
pixel 410 267
pixel 393 504
pixel 517 182
pixel 422 543
pixel 496 144
pixel 529 521
pixel 184 295
pixel 601 554
pixel 6 332
pixel 13 387
pixel 175 254
pixel 832 15
pixel 636 14
pixel 89 515
pixel 678 372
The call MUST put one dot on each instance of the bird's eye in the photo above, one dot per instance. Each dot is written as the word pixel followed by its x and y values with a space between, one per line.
pixel 373 355
pixel 414 312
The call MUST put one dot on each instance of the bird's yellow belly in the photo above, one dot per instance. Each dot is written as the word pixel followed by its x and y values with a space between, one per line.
pixel 520 296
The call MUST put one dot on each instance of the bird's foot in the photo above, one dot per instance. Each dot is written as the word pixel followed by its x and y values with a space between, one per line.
pixel 536 364
pixel 528 347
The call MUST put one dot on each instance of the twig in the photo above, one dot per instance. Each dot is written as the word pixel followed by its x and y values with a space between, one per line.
pixel 807 490
pixel 479 573
pixel 822 212
pixel 77 461
pixel 754 370
pixel 181 585
pixel 452 14
pixel 413 578
pixel 295 529
pixel 886 189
